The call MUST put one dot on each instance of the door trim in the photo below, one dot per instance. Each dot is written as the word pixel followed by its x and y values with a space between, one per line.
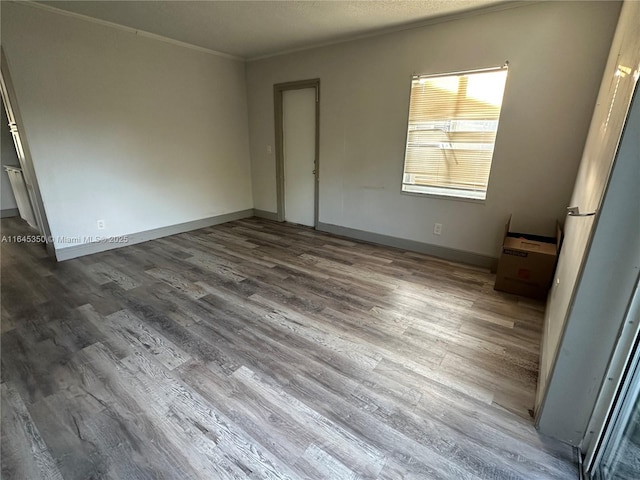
pixel 278 90
pixel 622 379
pixel 26 163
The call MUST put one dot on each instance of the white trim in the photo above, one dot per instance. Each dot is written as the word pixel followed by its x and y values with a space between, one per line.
pixel 134 31
pixel 384 31
pixel 442 192
pixel 504 66
pixel 604 417
pixel 8 94
pixel 83 249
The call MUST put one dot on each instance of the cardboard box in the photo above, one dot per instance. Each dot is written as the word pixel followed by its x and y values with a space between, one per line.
pixel 527 263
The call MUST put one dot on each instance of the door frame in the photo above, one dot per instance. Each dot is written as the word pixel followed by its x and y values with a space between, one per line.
pixel 278 91
pixel 26 163
pixel 619 392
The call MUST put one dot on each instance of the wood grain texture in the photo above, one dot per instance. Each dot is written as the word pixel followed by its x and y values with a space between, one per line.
pixel 261 350
pixel 24 453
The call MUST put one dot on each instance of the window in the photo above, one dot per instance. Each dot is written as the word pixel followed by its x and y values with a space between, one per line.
pixel 453 121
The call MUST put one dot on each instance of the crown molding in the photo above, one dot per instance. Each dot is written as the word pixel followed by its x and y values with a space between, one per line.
pixel 408 26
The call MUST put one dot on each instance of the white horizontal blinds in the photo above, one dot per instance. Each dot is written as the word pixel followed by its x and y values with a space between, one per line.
pixel 453 120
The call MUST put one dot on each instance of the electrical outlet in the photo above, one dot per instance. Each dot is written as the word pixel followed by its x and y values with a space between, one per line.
pixel 437 228
pixel 101 225
pixel 269 149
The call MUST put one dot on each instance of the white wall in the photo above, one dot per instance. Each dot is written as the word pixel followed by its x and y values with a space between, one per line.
pixel 140 133
pixel 9 157
pixel 557 52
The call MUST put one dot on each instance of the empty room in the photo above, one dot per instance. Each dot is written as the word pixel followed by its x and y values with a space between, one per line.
pixel 320 240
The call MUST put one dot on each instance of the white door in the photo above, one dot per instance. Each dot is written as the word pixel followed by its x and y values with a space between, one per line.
pixel 610 115
pixel 299 153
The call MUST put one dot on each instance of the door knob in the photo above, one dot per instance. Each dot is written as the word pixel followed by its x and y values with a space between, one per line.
pixel 314 172
pixel 575 212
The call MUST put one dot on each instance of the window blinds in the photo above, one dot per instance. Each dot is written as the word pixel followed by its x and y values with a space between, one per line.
pixel 453 120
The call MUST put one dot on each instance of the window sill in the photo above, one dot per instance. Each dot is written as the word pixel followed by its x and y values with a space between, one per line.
pixel 444 196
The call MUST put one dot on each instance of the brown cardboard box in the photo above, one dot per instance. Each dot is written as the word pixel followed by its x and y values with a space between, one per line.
pixel 527 263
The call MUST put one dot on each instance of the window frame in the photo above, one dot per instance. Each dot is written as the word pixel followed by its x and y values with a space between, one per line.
pixel 449 193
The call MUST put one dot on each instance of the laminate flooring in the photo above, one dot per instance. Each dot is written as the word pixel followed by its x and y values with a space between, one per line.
pixel 261 350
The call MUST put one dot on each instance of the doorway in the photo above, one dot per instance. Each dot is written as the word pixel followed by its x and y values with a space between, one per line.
pixel 297 146
pixel 32 195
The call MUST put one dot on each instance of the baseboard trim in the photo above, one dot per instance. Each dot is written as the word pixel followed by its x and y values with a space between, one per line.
pixel 9 212
pixel 266 215
pixel 445 253
pixel 76 251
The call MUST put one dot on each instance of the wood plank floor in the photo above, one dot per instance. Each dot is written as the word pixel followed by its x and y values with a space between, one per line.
pixel 262 350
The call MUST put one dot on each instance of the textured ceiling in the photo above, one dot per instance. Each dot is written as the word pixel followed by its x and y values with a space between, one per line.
pixel 252 29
